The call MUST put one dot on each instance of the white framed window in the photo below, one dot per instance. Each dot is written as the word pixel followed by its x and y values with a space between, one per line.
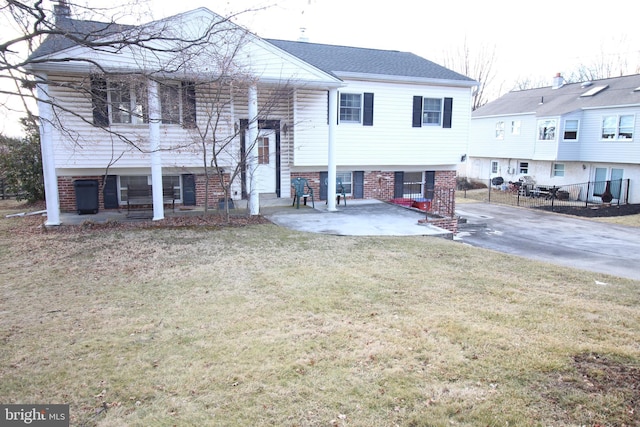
pixel 346 181
pixel 500 130
pixel 350 107
pixel 431 111
pixel 127 102
pixel 571 130
pixel 523 167
pixel 494 166
pixel 558 169
pixel 173 182
pixel 515 127
pixel 547 130
pixel 618 127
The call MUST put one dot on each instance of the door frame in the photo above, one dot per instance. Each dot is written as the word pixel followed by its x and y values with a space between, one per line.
pixel 273 125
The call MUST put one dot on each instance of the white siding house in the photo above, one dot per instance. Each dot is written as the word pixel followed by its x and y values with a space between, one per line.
pixel 124 117
pixel 561 135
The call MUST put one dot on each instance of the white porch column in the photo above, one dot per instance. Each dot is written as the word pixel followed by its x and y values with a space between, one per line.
pixel 331 161
pixel 46 147
pixel 252 152
pixel 154 145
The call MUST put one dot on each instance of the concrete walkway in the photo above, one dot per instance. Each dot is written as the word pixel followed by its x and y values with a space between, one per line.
pixel 357 218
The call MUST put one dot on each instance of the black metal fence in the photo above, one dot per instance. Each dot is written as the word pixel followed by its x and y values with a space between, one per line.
pixel 593 193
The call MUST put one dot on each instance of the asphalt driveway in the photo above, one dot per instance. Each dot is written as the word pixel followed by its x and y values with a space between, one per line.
pixel 559 239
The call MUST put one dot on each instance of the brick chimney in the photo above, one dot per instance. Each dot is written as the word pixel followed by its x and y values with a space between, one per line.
pixel 558 81
pixel 61 10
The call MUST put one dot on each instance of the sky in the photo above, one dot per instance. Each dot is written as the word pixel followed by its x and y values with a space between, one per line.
pixel 530 40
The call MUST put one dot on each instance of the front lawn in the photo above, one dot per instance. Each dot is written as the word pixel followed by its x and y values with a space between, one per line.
pixel 259 325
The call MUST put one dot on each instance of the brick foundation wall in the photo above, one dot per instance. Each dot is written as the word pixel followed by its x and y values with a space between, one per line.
pixel 67 194
pixel 215 190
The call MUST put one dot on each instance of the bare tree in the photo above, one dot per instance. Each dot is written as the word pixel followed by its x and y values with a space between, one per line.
pixel 161 51
pixel 479 66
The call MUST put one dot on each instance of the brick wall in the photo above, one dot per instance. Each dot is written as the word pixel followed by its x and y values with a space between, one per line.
pixel 215 189
pixel 67 192
pixel 312 177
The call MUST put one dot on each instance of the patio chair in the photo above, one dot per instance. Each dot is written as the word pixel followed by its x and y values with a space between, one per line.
pixel 302 189
pixel 340 191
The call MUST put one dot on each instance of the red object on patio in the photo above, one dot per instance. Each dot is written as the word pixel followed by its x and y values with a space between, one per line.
pixel 402 201
pixel 422 204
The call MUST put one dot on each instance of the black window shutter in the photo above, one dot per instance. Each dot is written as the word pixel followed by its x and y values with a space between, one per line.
pixel 110 192
pixel 398 185
pixel 188 104
pixel 429 184
pixel 358 184
pixel 367 119
pixel 324 185
pixel 99 101
pixel 446 117
pixel 417 111
pixel 188 190
pixel 338 113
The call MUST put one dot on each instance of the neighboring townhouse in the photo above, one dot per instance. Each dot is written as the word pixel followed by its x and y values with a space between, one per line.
pixel 562 135
pixel 387 124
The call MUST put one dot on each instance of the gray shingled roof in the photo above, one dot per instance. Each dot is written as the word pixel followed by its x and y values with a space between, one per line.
pixel 547 101
pixel 72 32
pixel 336 59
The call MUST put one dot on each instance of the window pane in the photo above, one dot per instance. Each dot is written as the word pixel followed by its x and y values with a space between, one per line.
pixel 524 167
pixel 412 185
pixel 139 181
pixel 431 111
pixel 170 104
pixel 558 169
pixel 571 129
pixel 500 130
pixel 346 180
pixel 515 127
pixel 263 151
pixel 626 127
pixel 609 124
pixel 120 97
pixel 546 130
pixel 350 106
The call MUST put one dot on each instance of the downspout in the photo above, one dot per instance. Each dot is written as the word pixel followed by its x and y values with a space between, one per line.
pixel 154 145
pixel 331 161
pixel 46 147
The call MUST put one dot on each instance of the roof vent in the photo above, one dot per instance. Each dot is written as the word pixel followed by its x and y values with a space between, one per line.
pixel 586 84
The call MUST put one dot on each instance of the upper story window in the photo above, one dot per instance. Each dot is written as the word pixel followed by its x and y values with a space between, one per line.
pixel 499 130
pixel 547 130
pixel 350 107
pixel 515 127
pixel 127 102
pixel 571 130
pixel 170 103
pixel 356 108
pixel 121 101
pixel 432 112
pixel 618 127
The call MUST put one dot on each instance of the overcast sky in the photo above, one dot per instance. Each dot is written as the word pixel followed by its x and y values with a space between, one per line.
pixel 532 40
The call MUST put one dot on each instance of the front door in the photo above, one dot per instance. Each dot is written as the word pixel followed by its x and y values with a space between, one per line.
pixel 266 169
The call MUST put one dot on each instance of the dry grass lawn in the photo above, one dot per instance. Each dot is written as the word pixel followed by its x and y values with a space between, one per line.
pixel 260 325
